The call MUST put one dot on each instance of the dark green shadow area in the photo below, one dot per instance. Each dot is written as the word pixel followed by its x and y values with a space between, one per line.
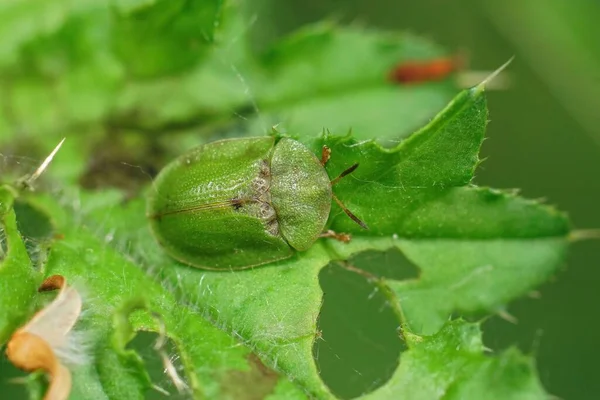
pixel 32 223
pixel 389 264
pixel 254 383
pixel 12 380
pixel 35 228
pixel 143 344
pixel 360 345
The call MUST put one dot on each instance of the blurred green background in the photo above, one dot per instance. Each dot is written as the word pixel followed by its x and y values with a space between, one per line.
pixel 544 138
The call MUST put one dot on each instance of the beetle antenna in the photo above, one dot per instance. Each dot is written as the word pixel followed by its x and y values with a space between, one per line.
pixel 348 212
pixel 344 173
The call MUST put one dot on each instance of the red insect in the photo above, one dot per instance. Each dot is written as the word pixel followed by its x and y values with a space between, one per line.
pixel 425 70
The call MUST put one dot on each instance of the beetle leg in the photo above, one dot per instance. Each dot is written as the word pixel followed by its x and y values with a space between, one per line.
pixel 342 237
pixel 349 213
pixel 325 154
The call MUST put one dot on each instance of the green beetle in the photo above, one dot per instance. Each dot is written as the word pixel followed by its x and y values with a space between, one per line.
pixel 239 203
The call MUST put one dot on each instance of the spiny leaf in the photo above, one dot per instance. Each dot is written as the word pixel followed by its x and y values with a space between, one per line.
pixel 465 275
pixel 477 248
pixel 451 365
pixel 115 287
pixel 269 310
pixel 492 244
pixel 18 279
pixel 274 309
pixel 442 155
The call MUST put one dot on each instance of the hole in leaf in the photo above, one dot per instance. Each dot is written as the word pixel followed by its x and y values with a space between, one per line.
pixel 13 381
pixel 143 344
pixel 389 264
pixel 255 383
pixel 360 345
pixel 32 222
pixel 34 226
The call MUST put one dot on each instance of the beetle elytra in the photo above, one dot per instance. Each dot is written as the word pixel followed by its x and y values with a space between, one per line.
pixel 239 203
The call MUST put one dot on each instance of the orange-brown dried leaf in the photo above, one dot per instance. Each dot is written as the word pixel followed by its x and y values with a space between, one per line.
pixel 33 346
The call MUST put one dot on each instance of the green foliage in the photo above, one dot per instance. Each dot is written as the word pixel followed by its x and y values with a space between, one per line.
pixel 253 332
pixel 450 364
pixel 74 75
pixel 120 300
pixel 158 37
pixel 18 280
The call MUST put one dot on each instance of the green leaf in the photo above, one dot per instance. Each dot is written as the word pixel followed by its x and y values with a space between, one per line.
pixel 25 21
pixel 307 82
pixel 79 73
pixel 69 75
pixel 18 279
pixel 451 365
pixel 401 180
pixel 465 239
pixel 468 276
pixel 69 70
pixel 311 81
pixel 268 305
pixel 164 36
pixel 477 248
pixel 273 308
pixel 119 300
